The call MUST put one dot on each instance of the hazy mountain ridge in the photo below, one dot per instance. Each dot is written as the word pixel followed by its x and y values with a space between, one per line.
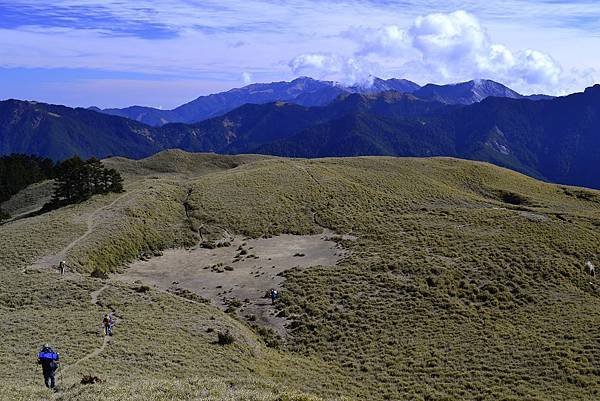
pixel 310 92
pixel 60 132
pixel 304 91
pixel 555 140
pixel 466 92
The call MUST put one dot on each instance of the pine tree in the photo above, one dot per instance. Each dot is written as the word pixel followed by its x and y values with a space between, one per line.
pixel 77 181
pixel 116 181
pixel 95 169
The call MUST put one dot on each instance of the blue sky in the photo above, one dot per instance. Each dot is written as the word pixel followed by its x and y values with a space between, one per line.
pixel 162 53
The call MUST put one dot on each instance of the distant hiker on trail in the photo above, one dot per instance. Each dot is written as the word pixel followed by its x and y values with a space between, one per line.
pixel 106 323
pixel 590 268
pixel 111 323
pixel 273 295
pixel 62 267
pixel 49 361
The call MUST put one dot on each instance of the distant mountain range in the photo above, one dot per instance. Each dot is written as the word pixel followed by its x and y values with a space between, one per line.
pixel 303 91
pixel 310 92
pixel 553 139
pixel 60 132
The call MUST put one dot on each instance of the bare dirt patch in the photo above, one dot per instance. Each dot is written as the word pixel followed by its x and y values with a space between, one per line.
pixel 534 216
pixel 239 275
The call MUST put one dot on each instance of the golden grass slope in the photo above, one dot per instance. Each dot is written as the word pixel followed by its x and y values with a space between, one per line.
pixel 193 388
pixel 159 336
pixel 30 199
pixel 466 282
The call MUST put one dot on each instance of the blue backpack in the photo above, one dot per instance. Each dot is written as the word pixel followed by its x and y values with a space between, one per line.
pixel 48 354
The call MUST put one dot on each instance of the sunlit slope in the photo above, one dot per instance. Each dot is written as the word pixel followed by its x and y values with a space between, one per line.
pixel 159 338
pixel 178 162
pixel 465 282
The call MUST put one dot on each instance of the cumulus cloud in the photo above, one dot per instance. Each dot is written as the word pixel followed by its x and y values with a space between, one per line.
pixel 445 39
pixel 537 68
pixel 444 47
pixel 389 40
pixel 347 70
pixel 458 46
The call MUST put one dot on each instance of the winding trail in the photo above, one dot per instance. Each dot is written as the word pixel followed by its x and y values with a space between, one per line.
pixel 105 341
pixel 51 261
pixel 93 354
pixel 97 293
pixel 47 262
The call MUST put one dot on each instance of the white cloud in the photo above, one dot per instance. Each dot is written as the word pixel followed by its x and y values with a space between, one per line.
pixel 459 47
pixel 247 78
pixel 448 40
pixel 497 60
pixel 537 68
pixel 386 40
pixel 441 47
pixel 347 70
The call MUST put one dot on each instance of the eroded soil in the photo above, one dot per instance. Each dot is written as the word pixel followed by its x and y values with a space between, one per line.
pixel 241 273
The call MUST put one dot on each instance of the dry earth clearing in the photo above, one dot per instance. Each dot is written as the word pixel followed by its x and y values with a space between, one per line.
pixel 238 275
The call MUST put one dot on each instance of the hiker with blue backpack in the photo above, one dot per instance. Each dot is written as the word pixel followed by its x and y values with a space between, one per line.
pixel 49 361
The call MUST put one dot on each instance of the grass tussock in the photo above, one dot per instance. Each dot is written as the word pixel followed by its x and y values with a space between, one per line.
pixel 197 389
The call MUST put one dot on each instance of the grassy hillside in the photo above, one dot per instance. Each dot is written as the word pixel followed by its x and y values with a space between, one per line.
pixel 465 282
pixel 195 388
pixel 30 199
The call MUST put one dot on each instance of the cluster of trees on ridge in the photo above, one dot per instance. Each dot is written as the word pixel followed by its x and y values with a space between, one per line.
pixel 78 180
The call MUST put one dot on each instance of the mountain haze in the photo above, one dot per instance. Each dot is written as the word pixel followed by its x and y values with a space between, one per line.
pixel 466 92
pixel 304 91
pixel 309 92
pixel 554 139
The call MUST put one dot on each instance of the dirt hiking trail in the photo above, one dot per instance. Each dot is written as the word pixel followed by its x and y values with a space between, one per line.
pixel 105 341
pixel 52 261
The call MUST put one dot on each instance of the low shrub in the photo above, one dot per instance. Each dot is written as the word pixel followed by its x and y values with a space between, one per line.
pixel 97 273
pixel 89 379
pixel 225 338
pixel 142 289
